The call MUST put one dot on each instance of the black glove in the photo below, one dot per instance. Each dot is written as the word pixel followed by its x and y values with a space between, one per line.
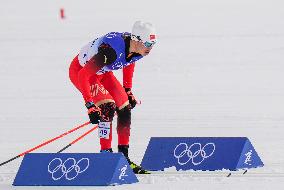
pixel 131 98
pixel 94 112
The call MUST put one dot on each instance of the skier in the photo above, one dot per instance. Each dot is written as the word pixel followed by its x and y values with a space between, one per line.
pixel 91 73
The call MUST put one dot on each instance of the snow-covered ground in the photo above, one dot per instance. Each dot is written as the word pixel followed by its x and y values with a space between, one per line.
pixel 217 70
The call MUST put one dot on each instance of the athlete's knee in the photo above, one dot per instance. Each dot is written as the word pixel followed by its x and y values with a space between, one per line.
pixel 124 115
pixel 108 110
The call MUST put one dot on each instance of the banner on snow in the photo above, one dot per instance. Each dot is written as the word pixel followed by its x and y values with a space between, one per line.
pixel 200 153
pixel 74 169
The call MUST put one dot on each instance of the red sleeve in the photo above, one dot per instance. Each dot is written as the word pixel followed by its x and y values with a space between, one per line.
pixel 84 75
pixel 128 75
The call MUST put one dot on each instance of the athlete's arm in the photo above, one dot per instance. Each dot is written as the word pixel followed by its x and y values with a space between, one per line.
pixel 128 75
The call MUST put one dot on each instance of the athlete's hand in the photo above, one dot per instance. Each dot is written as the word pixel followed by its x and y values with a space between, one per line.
pixel 94 113
pixel 131 98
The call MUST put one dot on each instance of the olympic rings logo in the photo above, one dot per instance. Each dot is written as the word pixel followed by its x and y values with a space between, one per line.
pixel 70 168
pixel 194 153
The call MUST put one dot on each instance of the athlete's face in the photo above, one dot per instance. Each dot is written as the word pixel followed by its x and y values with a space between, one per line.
pixel 142 49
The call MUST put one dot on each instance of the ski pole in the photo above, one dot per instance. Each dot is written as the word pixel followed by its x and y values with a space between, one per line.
pixel 45 143
pixel 79 138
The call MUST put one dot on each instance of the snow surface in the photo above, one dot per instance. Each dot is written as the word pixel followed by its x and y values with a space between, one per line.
pixel 217 70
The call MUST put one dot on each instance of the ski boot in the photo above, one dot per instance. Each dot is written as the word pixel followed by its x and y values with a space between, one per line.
pixel 136 168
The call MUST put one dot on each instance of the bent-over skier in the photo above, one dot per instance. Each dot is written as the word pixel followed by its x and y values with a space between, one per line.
pixel 91 73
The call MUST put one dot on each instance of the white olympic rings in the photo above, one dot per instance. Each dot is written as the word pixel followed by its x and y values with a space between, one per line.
pixel 187 150
pixel 58 168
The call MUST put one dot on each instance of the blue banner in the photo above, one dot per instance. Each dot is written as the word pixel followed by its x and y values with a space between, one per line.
pixel 200 153
pixel 74 169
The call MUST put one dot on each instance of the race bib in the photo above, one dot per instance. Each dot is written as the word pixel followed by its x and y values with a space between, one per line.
pixel 104 130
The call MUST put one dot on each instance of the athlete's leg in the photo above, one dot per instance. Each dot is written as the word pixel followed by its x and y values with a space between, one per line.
pixel 123 108
pixel 105 102
pixel 101 98
pixel 123 117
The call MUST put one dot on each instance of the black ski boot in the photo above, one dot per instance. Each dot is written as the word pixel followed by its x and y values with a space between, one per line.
pixel 136 168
